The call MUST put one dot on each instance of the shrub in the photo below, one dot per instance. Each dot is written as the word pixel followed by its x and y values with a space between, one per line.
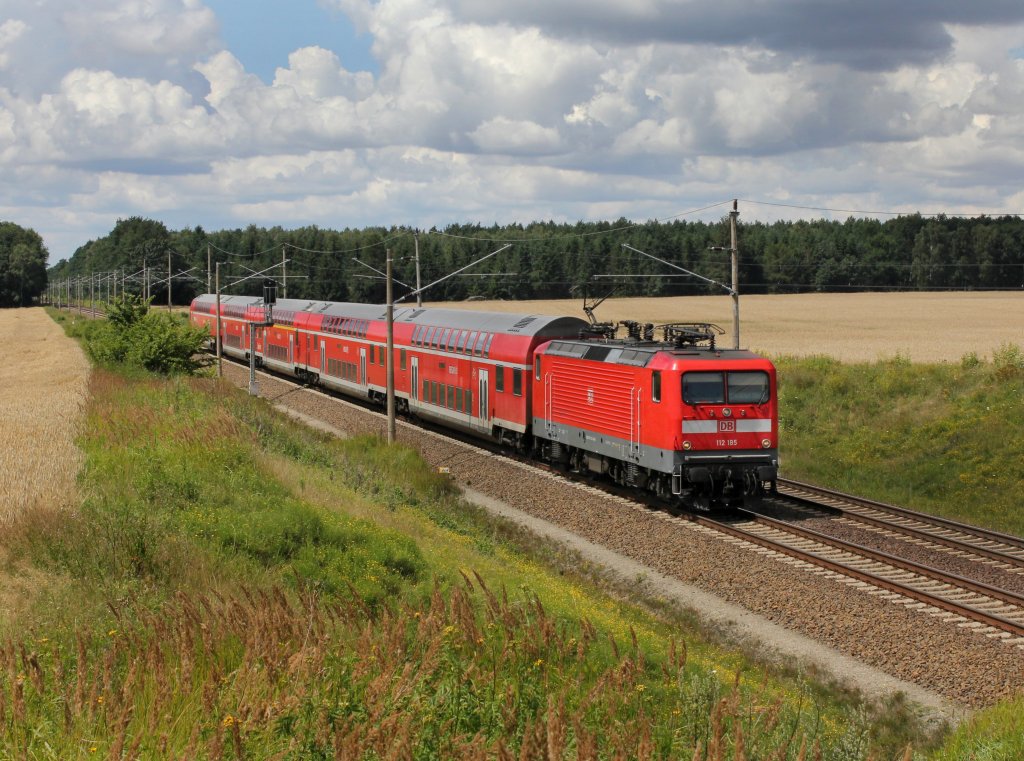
pixel 157 342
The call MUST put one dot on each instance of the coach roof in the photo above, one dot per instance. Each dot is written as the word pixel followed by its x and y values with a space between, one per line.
pixel 491 322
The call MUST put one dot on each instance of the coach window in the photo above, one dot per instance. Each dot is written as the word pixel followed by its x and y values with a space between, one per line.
pixel 401 359
pixel 471 342
pixel 458 400
pixel 373 354
pixel 451 398
pixel 444 338
pixel 704 388
pixel 416 336
pixel 451 339
pixel 656 386
pixel 380 356
pixel 499 379
pixel 536 368
pixel 517 382
pixel 487 346
pixel 463 335
pixel 479 348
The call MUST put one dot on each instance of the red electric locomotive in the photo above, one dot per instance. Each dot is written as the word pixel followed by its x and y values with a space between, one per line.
pixel 677 417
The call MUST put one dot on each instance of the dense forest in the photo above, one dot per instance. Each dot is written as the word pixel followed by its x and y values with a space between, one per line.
pixel 22 265
pixel 554 260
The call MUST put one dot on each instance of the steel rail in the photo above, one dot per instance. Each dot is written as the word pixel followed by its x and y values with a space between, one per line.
pixel 935 520
pixel 980 616
pixel 927 536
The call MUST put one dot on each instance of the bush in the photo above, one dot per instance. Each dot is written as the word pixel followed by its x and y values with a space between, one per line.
pixel 158 342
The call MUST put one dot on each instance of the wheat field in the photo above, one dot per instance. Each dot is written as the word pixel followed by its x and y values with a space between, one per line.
pixel 43 387
pixel 852 327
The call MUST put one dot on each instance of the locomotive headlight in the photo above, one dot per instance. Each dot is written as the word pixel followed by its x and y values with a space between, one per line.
pixel 727 412
pixel 766 443
pixel 687 445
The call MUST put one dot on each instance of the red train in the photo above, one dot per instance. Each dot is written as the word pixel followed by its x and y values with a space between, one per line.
pixel 674 416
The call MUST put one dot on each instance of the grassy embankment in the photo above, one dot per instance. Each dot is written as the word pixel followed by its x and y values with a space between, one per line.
pixel 947 439
pixel 237 586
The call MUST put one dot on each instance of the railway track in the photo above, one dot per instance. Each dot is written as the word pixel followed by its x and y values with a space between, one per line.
pixel 960 601
pixel 1002 550
pixel 927 589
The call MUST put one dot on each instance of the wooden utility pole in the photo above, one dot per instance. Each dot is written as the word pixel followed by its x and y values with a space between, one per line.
pixel 390 353
pixel 735 275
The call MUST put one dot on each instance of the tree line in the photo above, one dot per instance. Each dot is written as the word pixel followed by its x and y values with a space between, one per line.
pixel 558 260
pixel 22 265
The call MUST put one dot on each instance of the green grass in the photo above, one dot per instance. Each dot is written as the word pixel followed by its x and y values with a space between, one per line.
pixel 946 439
pixel 235 585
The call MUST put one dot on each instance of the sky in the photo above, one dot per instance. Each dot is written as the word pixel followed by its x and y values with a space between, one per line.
pixel 348 113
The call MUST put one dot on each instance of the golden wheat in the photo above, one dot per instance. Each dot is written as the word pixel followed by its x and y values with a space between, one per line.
pixel 852 327
pixel 43 382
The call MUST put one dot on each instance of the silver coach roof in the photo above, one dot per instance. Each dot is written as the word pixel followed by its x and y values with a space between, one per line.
pixel 491 322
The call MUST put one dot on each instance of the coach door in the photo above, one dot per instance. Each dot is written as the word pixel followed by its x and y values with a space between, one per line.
pixel 483 402
pixel 414 389
pixel 362 365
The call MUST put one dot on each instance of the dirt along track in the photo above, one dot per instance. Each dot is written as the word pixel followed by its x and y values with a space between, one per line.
pixel 952 665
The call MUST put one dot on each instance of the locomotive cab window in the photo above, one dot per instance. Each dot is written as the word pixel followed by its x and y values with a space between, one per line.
pixel 748 387
pixel 726 388
pixel 704 388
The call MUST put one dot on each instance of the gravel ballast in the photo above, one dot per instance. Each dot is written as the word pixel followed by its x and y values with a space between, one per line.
pixel 956 662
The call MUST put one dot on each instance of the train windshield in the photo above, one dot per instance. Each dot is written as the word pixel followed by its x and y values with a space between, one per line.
pixel 726 388
pixel 748 388
pixel 704 388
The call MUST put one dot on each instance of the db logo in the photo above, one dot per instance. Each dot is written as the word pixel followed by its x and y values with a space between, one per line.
pixel 726 426
pixel 590 396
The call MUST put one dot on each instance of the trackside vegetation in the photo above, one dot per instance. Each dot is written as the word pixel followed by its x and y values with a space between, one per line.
pixel 947 439
pixel 237 586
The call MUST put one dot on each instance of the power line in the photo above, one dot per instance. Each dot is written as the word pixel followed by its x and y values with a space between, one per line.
pixel 880 213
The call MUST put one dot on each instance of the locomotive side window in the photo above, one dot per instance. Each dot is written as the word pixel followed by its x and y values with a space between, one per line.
pixel 517 382
pixel 656 386
pixel 536 368
pixel 748 388
pixel 704 388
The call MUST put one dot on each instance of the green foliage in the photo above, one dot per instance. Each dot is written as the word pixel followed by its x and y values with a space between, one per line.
pixel 22 265
pixel 155 341
pixel 995 734
pixel 548 258
pixel 127 310
pixel 942 438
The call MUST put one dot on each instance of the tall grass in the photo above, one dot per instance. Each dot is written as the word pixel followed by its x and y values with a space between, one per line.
pixel 235 586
